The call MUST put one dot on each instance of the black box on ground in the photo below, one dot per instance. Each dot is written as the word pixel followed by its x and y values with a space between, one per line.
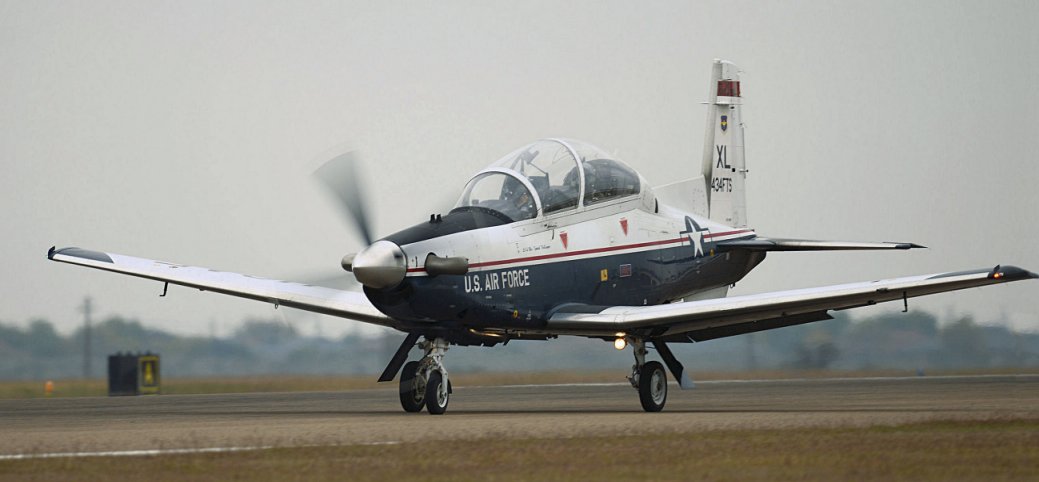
pixel 133 374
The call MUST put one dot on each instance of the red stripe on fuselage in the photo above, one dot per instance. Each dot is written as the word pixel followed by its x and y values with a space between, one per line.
pixel 589 251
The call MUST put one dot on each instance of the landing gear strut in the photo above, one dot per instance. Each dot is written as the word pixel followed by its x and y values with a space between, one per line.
pixel 649 378
pixel 425 382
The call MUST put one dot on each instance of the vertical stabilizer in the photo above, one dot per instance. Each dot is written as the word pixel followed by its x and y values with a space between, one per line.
pixel 724 167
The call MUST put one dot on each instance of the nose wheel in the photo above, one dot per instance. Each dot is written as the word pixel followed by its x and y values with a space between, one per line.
pixel 412 388
pixel 424 383
pixel 437 394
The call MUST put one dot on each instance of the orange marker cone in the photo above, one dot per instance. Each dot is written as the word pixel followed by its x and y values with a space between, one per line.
pixel 48 388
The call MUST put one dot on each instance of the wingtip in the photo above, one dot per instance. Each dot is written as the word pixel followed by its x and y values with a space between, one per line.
pixel 1011 273
pixel 909 246
pixel 73 252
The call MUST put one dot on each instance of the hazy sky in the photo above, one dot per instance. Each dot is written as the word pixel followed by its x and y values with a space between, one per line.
pixel 186 131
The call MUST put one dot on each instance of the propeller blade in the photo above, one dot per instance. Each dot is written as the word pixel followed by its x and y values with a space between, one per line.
pixel 341 176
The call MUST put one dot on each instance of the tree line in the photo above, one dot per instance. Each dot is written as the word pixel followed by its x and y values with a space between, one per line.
pixel 915 341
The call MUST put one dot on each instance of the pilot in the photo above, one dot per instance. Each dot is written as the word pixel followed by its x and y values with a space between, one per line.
pixel 518 198
pixel 524 203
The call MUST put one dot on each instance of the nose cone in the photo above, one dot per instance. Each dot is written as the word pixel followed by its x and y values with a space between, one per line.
pixel 381 265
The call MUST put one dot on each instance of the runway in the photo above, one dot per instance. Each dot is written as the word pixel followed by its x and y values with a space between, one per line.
pixel 217 422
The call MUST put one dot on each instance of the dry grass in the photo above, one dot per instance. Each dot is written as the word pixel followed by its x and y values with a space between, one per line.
pixel 315 383
pixel 998 450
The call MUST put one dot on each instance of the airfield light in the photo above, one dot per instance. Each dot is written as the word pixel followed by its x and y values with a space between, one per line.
pixel 620 343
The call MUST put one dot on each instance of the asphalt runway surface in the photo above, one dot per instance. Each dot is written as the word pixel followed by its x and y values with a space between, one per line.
pixel 165 422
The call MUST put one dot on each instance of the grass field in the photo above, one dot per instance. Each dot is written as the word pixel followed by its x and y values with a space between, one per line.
pixel 313 383
pixel 998 450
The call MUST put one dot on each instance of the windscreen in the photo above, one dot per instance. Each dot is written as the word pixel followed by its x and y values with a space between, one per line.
pixel 499 192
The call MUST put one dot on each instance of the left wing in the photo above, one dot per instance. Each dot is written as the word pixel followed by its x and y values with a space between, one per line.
pixel 716 318
pixel 328 301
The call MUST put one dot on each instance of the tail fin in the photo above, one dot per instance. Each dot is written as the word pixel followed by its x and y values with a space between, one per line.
pixel 724 167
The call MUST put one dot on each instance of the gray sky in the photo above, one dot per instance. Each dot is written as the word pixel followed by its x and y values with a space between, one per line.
pixel 186 131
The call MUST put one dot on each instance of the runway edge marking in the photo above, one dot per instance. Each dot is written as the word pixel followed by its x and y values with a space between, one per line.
pixel 154 452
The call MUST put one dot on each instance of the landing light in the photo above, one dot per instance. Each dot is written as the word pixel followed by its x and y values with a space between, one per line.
pixel 620 343
pixel 997 275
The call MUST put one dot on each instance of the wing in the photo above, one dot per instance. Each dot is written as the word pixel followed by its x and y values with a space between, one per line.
pixel 716 318
pixel 328 301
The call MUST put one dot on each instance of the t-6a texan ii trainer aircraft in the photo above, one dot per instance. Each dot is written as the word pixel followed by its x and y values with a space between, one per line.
pixel 559 238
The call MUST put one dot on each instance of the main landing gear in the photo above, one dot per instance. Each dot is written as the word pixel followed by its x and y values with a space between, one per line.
pixel 424 383
pixel 650 379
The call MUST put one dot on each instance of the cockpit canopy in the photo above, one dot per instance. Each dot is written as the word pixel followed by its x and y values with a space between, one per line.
pixel 564 174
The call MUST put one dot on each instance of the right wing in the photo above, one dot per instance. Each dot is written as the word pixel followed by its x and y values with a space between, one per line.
pixel 344 304
pixel 715 318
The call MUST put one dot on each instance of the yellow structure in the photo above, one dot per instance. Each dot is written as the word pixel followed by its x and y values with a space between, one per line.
pixel 148 373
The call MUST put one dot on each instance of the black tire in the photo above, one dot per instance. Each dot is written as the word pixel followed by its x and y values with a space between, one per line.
pixel 653 386
pixel 412 390
pixel 437 395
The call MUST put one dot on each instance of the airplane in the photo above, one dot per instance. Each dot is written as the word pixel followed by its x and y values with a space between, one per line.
pixel 559 238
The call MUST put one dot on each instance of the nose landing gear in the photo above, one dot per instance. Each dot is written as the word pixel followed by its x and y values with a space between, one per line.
pixel 425 383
